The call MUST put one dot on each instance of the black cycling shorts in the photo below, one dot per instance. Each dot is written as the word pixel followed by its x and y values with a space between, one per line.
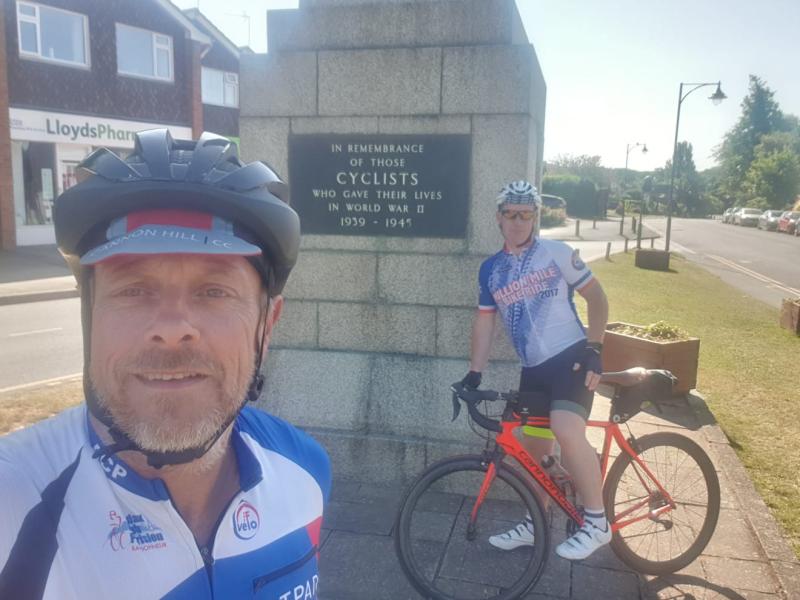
pixel 564 389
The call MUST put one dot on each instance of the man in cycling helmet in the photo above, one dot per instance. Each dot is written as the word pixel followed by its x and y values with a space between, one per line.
pixel 164 484
pixel 530 283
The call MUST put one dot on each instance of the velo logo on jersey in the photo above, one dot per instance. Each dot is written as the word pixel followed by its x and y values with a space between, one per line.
pixel 245 520
pixel 134 532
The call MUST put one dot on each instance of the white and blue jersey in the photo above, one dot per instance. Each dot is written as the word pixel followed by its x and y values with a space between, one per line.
pixel 73 527
pixel 534 295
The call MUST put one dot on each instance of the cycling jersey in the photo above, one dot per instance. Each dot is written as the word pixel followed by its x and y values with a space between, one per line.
pixel 533 292
pixel 76 527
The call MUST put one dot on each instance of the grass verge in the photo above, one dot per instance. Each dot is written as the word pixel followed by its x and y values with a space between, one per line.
pixel 23 407
pixel 748 367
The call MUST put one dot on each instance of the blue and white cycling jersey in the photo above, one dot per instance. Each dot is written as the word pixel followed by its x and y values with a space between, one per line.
pixel 74 527
pixel 533 292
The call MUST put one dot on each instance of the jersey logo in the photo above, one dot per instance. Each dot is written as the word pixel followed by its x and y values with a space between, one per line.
pixel 134 533
pixel 245 520
pixel 577 262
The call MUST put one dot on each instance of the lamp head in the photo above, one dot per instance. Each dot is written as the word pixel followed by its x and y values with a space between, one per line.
pixel 718 96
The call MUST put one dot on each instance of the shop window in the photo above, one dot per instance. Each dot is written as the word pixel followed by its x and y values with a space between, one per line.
pixel 52 34
pixel 143 53
pixel 38 178
pixel 220 87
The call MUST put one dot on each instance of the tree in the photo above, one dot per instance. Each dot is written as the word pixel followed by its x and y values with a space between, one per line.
pixel 688 187
pixel 773 179
pixel 583 166
pixel 760 116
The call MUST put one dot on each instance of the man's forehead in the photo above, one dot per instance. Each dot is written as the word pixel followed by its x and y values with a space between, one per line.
pixel 199 264
pixel 518 207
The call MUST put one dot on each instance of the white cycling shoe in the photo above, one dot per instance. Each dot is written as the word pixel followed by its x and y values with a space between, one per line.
pixel 519 536
pixel 585 541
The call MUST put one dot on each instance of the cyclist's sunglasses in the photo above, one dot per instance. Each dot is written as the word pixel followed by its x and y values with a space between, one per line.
pixel 524 215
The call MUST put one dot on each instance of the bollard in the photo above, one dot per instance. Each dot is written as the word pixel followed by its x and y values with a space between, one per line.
pixel 626 245
pixel 652 242
pixel 622 226
pixel 608 251
pixel 594 223
pixel 577 228
pixel 633 224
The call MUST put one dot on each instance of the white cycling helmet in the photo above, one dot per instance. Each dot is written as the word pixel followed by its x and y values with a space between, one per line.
pixel 519 192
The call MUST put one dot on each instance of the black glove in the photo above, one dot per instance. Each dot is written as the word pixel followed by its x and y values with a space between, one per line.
pixel 590 358
pixel 472 380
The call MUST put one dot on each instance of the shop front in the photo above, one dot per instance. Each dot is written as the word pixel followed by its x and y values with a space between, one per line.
pixel 46 147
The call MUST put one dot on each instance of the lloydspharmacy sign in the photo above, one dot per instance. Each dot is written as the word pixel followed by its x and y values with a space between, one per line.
pixel 43 126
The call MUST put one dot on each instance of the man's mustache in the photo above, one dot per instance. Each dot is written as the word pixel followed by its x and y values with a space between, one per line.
pixel 187 360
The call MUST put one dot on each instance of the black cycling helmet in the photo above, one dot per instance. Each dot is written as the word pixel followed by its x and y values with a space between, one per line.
pixel 204 176
pixel 244 206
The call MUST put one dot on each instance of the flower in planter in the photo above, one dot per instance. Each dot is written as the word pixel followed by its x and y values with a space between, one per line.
pixel 660 330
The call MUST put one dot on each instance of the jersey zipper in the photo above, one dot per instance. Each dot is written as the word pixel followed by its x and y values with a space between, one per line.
pixel 206 552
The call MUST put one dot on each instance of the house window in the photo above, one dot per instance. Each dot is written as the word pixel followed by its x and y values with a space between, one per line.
pixel 143 53
pixel 52 34
pixel 220 87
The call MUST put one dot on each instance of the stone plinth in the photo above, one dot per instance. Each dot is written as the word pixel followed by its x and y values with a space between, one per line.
pixel 376 327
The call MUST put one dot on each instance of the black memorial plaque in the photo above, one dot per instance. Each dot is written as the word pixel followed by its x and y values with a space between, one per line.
pixel 397 185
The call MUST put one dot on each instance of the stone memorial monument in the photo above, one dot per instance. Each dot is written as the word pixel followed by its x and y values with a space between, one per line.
pixel 395 123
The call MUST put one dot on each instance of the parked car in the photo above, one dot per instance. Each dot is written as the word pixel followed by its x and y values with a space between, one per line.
pixel 726 214
pixel 733 210
pixel 747 217
pixel 551 201
pixel 788 221
pixel 769 220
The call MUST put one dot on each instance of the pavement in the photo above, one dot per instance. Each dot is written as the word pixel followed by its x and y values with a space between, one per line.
pixel 747 558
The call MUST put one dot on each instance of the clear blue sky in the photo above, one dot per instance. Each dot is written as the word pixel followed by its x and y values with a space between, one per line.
pixel 613 67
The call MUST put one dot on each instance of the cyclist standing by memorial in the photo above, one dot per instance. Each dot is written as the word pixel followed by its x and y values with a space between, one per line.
pixel 531 283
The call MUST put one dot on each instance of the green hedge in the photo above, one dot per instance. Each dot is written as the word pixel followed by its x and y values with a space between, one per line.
pixel 580 194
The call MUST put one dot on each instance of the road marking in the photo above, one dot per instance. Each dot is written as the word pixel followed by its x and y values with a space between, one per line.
pixel 35 331
pixel 14 388
pixel 755 275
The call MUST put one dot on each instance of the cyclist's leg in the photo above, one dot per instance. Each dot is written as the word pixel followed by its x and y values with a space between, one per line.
pixel 569 411
pixel 537 441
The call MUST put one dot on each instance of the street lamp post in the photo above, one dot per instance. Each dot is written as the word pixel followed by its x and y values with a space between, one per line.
pixel 628 148
pixel 717 97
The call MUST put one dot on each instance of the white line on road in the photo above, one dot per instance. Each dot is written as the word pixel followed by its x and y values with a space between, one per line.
pixel 14 388
pixel 754 274
pixel 35 331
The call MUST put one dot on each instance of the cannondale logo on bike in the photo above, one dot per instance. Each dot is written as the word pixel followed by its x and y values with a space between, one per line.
pixel 134 533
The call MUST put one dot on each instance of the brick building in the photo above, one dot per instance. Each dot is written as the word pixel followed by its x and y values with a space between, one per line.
pixel 79 74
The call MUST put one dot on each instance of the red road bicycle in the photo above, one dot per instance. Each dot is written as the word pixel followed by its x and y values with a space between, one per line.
pixel 661 494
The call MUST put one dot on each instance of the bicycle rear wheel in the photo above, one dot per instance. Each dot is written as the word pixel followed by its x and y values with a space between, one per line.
pixel 660 538
pixel 442 539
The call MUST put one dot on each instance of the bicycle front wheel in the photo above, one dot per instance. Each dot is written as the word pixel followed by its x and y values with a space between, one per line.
pixel 444 524
pixel 656 536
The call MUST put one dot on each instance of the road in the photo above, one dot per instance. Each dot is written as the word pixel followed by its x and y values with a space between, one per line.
pixel 763 264
pixel 42 340
pixel 39 340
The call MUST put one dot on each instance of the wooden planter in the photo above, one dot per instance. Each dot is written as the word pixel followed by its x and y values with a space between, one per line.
pixel 622 351
pixel 790 315
pixel 656 260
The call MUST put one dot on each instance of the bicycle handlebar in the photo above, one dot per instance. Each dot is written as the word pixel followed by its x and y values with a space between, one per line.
pixel 473 397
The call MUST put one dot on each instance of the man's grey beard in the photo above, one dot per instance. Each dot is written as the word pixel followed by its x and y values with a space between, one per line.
pixel 162 431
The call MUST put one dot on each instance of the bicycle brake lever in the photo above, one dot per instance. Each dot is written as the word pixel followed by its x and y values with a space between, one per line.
pixel 456 407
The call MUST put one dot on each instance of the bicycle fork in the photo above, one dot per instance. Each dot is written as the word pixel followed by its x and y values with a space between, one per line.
pixel 494 459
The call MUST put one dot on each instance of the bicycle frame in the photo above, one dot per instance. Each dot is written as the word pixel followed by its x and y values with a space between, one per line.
pixel 511 446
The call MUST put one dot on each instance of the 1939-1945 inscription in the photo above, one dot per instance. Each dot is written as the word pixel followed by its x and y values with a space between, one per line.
pixel 399 185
